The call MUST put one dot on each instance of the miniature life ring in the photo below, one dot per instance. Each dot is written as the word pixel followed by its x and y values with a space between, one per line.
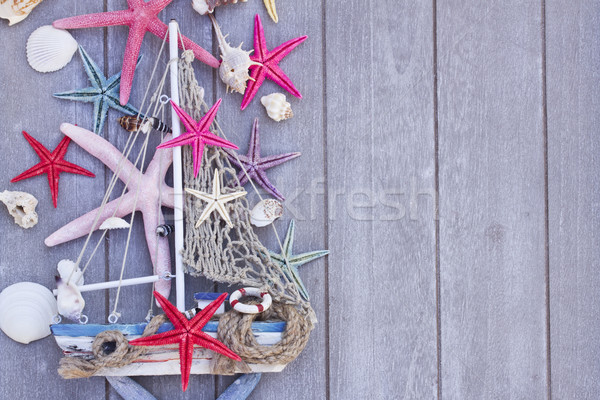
pixel 235 297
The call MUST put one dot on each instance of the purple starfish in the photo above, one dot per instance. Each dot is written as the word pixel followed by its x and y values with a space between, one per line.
pixel 153 193
pixel 256 165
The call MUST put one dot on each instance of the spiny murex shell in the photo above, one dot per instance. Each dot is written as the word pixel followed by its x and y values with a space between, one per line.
pixel 50 49
pixel 69 301
pixel 26 311
pixel 16 10
pixel 204 7
pixel 277 106
pixel 233 70
pixel 265 212
pixel 21 206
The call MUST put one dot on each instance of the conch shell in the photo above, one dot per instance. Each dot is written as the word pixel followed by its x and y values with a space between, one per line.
pixel 16 11
pixel 277 106
pixel 204 7
pixel 21 206
pixel 233 70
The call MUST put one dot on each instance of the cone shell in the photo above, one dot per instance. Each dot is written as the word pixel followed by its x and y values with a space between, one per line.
pixel 277 106
pixel 16 10
pixel 265 212
pixel 26 311
pixel 50 49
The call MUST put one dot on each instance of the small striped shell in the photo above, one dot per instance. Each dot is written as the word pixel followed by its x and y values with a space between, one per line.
pixel 16 11
pixel 50 49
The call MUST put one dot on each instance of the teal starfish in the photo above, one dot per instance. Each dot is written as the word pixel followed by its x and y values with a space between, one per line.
pixel 290 268
pixel 104 93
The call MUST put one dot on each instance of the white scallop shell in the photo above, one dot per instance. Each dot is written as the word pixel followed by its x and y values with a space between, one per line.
pixel 265 212
pixel 114 223
pixel 50 49
pixel 277 107
pixel 26 311
pixel 16 10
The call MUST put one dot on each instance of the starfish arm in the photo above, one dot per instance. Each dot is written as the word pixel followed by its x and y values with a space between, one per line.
pixel 260 43
pixel 158 167
pixel 128 109
pixel 279 52
pixel 206 341
pixel 168 197
pixel 277 75
pixel 36 170
pixel 111 18
pixel 197 150
pixel 231 155
pixel 209 209
pixel 84 224
pixel 254 146
pixel 220 207
pixel 202 317
pixel 272 161
pixel 261 178
pixel 66 166
pixel 225 198
pixel 114 81
pixel 102 150
pixel 97 79
pixel 87 94
pixel 134 3
pixel 258 75
pixel 201 195
pixel 160 29
pixel 278 258
pixel 213 140
pixel 186 355
pixel 216 185
pixel 293 276
pixel 207 120
pixel 158 247
pixel 301 259
pixel 39 149
pixel 288 242
pixel 132 50
pixel 181 140
pixel 188 121
pixel 160 339
pixel 175 316
pixel 100 111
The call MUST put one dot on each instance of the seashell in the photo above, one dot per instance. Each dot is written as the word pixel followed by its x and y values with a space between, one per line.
pixel 16 11
pixel 233 70
pixel 21 206
pixel 265 212
pixel 164 230
pixel 50 49
pixel 69 301
pixel 114 223
pixel 26 311
pixel 277 108
pixel 68 270
pixel 204 7
pixel 133 124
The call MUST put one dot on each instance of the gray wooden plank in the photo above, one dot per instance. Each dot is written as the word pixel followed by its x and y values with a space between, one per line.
pixel 380 170
pixel 136 300
pixel 295 179
pixel 30 371
pixel 574 217
pixel 491 190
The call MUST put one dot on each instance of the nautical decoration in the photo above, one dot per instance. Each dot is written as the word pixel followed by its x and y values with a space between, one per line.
pixel 164 230
pixel 204 7
pixel 289 262
pixel 51 164
pixel 103 92
pixel 269 60
pixel 277 107
pixel 265 212
pixel 152 192
pixel 16 11
pixel 140 17
pixel 69 271
pixel 216 200
pixel 233 70
pixel 114 223
pixel 132 123
pixel 50 49
pixel 21 206
pixel 205 298
pixel 129 389
pixel 255 165
pixel 197 134
pixel 271 10
pixel 186 333
pixel 235 297
pixel 68 299
pixel 241 388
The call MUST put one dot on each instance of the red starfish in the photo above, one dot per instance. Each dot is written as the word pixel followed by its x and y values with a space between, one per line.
pixel 187 333
pixel 198 134
pixel 140 17
pixel 270 64
pixel 51 164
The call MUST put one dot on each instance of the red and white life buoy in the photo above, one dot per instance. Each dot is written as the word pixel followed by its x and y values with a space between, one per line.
pixel 235 297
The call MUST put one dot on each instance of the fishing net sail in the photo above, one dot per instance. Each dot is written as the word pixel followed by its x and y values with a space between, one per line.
pixel 232 255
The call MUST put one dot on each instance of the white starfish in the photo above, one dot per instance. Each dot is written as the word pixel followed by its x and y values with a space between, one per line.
pixel 215 200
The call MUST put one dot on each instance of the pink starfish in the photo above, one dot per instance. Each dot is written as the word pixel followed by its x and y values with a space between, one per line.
pixel 198 134
pixel 270 64
pixel 152 191
pixel 140 17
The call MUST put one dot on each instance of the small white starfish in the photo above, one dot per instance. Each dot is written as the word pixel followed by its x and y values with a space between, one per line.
pixel 215 200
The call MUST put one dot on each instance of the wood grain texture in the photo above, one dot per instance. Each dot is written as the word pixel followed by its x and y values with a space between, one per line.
pixel 573 57
pixel 491 189
pixel 380 154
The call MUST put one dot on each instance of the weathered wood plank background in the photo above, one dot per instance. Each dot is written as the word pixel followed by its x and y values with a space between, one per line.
pixel 449 162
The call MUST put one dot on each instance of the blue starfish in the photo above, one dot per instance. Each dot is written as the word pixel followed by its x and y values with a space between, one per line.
pixel 104 93
pixel 289 263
